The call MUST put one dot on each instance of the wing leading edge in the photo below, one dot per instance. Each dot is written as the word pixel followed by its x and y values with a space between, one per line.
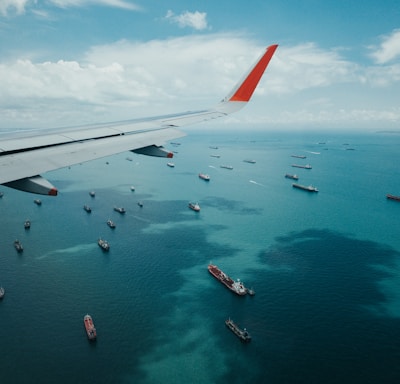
pixel 23 158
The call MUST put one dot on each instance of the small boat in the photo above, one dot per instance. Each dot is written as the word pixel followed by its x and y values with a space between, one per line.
pixel 120 210
pixel 92 193
pixel 217 156
pixel 90 328
pixel 393 197
pixel 290 176
pixel 249 161
pixel 87 208
pixel 140 204
pixel 2 292
pixel 132 188
pixel 37 202
pixel 194 206
pixel 110 223
pixel 103 244
pixel 204 176
pixel 308 188
pixel 227 167
pixel 27 224
pixel 242 334
pixel 307 166
pixel 171 165
pixel 18 246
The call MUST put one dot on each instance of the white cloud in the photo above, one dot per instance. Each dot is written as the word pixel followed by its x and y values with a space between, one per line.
pixel 19 7
pixel 196 20
pixel 124 4
pixel 10 6
pixel 389 48
pixel 303 86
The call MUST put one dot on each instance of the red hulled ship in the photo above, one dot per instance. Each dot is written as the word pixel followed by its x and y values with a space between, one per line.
pixel 89 326
pixel 235 286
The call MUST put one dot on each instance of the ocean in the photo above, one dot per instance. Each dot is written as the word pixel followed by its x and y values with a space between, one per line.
pixel 325 266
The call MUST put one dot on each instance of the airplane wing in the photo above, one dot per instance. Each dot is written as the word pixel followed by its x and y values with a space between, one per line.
pixel 24 157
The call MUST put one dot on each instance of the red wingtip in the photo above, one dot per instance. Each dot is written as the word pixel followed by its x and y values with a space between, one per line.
pixel 53 192
pixel 246 89
pixel 170 155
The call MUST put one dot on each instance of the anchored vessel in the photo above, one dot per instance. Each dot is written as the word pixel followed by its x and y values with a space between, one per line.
pixel 290 176
pixel 299 156
pixel 18 246
pixel 89 326
pixel 307 166
pixel 194 206
pixel 235 286
pixel 27 224
pixel 110 223
pixel 249 161
pixel 308 188
pixel 227 167
pixel 87 208
pixel 103 244
pixel 393 197
pixel 242 334
pixel 2 292
pixel 204 176
pixel 119 209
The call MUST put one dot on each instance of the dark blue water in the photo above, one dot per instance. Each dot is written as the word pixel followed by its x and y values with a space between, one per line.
pixel 325 267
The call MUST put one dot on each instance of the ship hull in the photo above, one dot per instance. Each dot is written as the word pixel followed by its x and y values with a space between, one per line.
pixel 89 327
pixel 305 188
pixel 393 197
pixel 234 286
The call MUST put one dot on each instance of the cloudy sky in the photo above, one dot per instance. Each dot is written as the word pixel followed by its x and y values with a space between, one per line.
pixel 70 62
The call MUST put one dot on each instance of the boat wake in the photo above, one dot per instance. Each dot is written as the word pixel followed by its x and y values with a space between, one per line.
pixel 76 249
pixel 255 182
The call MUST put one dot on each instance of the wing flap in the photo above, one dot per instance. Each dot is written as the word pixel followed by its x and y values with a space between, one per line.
pixel 16 166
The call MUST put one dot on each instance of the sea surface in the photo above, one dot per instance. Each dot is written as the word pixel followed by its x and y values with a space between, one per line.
pixel 325 266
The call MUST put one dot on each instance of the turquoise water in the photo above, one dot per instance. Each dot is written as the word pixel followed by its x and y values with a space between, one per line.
pixel 325 266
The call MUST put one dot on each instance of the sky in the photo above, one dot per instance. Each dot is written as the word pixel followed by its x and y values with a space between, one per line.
pixel 73 62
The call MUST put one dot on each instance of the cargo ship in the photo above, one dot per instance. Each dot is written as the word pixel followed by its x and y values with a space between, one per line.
pixel 204 176
pixel 307 166
pixel 103 244
pixel 18 246
pixel 111 224
pixel 299 156
pixel 393 197
pixel 308 188
pixel 235 286
pixel 242 334
pixel 89 326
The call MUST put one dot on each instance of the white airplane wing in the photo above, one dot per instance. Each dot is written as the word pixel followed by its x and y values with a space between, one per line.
pixel 24 157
